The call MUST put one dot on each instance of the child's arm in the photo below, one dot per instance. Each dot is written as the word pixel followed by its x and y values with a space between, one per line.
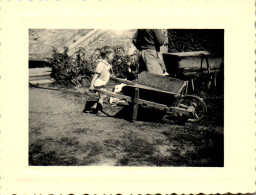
pixel 94 78
pixel 112 74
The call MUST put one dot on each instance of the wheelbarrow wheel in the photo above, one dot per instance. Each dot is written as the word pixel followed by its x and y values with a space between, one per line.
pixel 194 104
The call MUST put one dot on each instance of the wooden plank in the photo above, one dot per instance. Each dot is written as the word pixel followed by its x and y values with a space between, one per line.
pixel 70 42
pixel 40 74
pixel 179 110
pixel 177 64
pixel 116 95
pixel 37 56
pixel 199 73
pixel 41 82
pixel 149 88
pixel 38 78
pixel 192 84
pixel 189 54
pixel 39 71
pixel 86 40
pixel 153 104
pixel 135 104
pixel 124 81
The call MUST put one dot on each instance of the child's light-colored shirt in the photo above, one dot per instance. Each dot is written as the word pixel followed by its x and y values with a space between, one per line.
pixel 104 70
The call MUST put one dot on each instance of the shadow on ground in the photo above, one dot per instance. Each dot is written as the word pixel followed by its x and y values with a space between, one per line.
pixel 61 135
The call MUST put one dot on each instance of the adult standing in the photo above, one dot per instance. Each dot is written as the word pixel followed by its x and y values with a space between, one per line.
pixel 148 42
pixel 164 47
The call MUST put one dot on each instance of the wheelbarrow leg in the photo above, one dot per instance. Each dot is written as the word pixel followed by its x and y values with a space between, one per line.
pixel 192 85
pixel 135 104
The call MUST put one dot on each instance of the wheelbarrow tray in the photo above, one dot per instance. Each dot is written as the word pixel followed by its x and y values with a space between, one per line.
pixel 143 102
pixel 157 83
pixel 160 83
pixel 151 90
pixel 155 88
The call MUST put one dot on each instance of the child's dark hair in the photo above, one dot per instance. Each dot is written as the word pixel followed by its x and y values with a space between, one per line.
pixel 104 51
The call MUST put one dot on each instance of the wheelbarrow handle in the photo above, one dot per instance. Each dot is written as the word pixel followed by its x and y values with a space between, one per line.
pixel 122 80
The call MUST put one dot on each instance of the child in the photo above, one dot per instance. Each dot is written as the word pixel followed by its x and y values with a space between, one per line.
pixel 102 74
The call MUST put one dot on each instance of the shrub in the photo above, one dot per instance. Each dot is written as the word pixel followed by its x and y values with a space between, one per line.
pixel 71 70
pixel 122 62
pixel 60 63
pixel 184 40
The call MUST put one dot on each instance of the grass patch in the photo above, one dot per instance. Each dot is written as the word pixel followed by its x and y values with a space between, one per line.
pixel 40 155
pixel 137 150
pixel 194 147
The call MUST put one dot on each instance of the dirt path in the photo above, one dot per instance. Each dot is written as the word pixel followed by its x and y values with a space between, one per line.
pixel 61 134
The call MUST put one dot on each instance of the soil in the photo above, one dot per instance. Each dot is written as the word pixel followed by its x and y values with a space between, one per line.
pixel 60 133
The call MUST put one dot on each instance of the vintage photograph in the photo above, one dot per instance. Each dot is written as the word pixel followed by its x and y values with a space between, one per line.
pixel 126 97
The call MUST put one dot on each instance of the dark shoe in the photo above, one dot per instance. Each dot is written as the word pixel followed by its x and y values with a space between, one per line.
pixel 99 107
pixel 87 110
pixel 88 107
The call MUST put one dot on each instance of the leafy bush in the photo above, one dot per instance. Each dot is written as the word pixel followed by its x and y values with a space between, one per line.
pixel 60 64
pixel 122 63
pixel 71 70
pixel 184 40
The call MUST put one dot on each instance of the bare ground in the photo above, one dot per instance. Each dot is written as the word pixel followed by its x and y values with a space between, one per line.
pixel 61 134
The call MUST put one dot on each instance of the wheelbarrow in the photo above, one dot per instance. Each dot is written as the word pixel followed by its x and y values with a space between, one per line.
pixel 164 93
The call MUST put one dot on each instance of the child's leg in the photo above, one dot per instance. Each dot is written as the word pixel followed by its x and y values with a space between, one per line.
pixel 100 101
pixel 94 107
pixel 99 104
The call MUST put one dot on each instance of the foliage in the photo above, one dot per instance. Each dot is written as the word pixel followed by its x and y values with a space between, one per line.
pixel 122 63
pixel 71 70
pixel 184 40
pixel 60 62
